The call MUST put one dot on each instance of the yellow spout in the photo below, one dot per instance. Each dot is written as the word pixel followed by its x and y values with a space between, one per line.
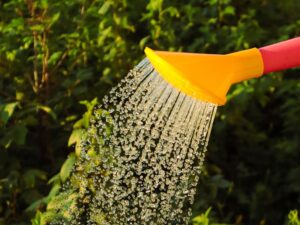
pixel 207 77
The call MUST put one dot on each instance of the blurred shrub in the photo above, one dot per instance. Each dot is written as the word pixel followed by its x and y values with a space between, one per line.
pixel 57 56
pixel 293 218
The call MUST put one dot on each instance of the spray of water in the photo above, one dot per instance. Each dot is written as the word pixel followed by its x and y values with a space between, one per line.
pixel 142 157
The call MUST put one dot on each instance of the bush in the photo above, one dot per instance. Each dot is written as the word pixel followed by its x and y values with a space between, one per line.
pixel 56 57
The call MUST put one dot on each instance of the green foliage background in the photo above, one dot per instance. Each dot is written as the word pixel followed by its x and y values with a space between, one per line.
pixel 58 59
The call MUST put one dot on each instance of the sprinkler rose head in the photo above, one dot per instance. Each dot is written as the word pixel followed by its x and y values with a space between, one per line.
pixel 208 77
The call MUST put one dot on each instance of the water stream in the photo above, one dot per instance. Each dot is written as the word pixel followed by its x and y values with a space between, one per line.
pixel 143 155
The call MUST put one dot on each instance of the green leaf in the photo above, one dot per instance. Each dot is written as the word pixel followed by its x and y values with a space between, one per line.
pixel 16 24
pixel 36 204
pixel 155 5
pixel 203 219
pixel 37 27
pixel 104 8
pixel 213 2
pixel 47 110
pixel 63 201
pixel 84 74
pixel 54 18
pixel 49 216
pixel 16 134
pixel 30 120
pixel 67 167
pixel 75 136
pixel 44 4
pixel 54 191
pixel 143 42
pixel 19 134
pixel 6 111
pixel 293 218
pixel 11 55
pixel 19 95
pixel 229 10
pixel 85 121
pixel 79 124
pixel 172 11
pixel 37 220
pixel 55 179
pixel 31 175
pixel 43 201
pixel 54 57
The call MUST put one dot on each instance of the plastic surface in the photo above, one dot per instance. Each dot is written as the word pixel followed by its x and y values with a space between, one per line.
pixel 207 77
pixel 280 56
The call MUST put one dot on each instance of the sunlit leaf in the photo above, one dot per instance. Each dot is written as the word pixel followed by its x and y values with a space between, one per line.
pixel 143 42
pixel 229 10
pixel 6 111
pixel 67 167
pixel 54 57
pixel 48 110
pixel 44 4
pixel 75 137
pixel 104 8
pixel 37 27
pixel 55 18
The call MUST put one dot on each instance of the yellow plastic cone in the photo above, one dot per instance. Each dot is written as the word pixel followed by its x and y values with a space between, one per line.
pixel 207 77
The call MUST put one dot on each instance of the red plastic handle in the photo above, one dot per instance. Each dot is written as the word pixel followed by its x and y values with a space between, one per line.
pixel 280 56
